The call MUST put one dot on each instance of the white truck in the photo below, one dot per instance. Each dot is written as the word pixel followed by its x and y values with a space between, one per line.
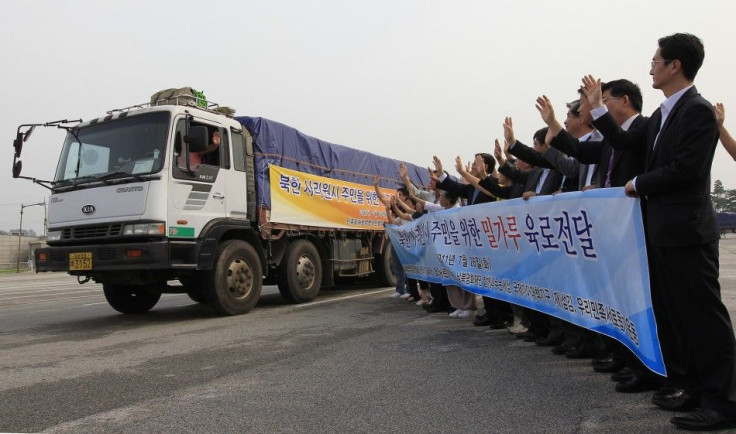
pixel 140 199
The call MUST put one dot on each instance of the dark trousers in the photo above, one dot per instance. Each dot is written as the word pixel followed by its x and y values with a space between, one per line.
pixel 694 327
pixel 411 287
pixel 498 310
pixel 439 296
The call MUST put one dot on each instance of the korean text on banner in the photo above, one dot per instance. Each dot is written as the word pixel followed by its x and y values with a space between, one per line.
pixel 305 199
pixel 578 256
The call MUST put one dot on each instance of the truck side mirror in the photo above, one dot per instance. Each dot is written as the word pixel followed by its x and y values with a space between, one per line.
pixel 197 138
pixel 18 144
pixel 28 133
pixel 16 168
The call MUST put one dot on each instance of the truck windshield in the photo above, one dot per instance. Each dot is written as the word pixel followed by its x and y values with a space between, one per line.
pixel 120 148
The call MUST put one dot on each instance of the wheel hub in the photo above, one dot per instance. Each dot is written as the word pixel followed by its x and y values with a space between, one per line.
pixel 239 278
pixel 305 272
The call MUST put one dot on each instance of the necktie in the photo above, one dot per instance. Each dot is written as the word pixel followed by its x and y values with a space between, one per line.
pixel 610 168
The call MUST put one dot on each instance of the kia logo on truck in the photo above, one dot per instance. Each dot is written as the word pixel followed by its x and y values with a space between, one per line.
pixel 88 209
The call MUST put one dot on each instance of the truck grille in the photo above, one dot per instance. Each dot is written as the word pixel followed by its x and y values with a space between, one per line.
pixel 92 232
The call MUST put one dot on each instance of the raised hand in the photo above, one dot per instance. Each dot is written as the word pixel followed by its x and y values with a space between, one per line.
pixel 498 153
pixel 591 87
pixel 720 113
pixel 376 179
pixel 459 165
pixel 544 106
pixel 508 130
pixel 437 165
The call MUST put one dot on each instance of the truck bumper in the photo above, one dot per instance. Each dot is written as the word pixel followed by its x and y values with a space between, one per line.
pixel 156 255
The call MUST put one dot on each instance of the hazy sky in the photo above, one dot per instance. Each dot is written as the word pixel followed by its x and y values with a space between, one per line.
pixel 403 79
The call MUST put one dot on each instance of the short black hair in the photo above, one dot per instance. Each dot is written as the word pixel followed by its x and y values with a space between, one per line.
pixel 403 191
pixel 623 87
pixel 686 48
pixel 540 135
pixel 488 160
pixel 574 107
pixel 452 198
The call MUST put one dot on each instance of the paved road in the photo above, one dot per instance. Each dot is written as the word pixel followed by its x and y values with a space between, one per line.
pixel 355 360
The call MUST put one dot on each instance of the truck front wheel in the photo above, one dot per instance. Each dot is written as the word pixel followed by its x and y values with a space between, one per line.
pixel 130 298
pixel 300 273
pixel 233 286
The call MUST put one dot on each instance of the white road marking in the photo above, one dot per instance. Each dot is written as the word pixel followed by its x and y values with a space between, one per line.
pixel 332 300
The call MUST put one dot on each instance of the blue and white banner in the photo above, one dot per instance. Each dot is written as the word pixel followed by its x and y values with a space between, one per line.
pixel 577 256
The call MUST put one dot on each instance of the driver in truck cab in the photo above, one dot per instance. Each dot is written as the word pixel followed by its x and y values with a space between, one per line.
pixel 208 156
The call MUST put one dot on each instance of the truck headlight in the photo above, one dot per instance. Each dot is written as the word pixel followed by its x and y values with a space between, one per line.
pixel 53 236
pixel 145 229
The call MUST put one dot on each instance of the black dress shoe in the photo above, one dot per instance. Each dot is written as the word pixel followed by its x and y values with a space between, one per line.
pixel 559 350
pixel 483 320
pixel 549 341
pixel 704 419
pixel 582 351
pixel 433 308
pixel 665 390
pixel 607 365
pixel 677 400
pixel 624 374
pixel 638 385
pixel 529 336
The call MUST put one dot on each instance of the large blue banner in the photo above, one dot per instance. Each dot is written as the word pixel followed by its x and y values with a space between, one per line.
pixel 579 256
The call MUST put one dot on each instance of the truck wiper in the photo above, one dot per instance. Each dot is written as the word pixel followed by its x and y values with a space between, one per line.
pixel 121 174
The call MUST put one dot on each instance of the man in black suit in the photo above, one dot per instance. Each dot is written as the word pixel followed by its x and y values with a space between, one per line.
pixel 624 101
pixel 694 326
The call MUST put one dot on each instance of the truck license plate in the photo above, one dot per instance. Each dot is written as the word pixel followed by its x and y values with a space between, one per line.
pixel 80 261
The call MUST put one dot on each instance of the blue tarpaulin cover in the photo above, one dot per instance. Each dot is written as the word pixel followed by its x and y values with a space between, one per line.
pixel 284 146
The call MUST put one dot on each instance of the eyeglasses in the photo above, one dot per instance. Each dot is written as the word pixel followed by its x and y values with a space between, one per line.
pixel 665 61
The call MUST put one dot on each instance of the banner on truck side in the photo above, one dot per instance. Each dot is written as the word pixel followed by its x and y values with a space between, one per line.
pixel 305 199
pixel 577 256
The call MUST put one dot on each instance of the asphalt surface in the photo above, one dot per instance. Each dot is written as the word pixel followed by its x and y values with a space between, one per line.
pixel 352 361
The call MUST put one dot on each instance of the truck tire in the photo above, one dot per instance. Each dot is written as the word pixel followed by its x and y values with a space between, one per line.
pixel 131 299
pixel 300 272
pixel 384 271
pixel 192 284
pixel 234 284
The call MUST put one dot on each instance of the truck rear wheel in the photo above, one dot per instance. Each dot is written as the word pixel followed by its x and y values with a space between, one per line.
pixel 233 286
pixel 384 270
pixel 300 272
pixel 130 298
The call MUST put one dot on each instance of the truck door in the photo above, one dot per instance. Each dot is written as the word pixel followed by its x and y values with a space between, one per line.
pixel 198 193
